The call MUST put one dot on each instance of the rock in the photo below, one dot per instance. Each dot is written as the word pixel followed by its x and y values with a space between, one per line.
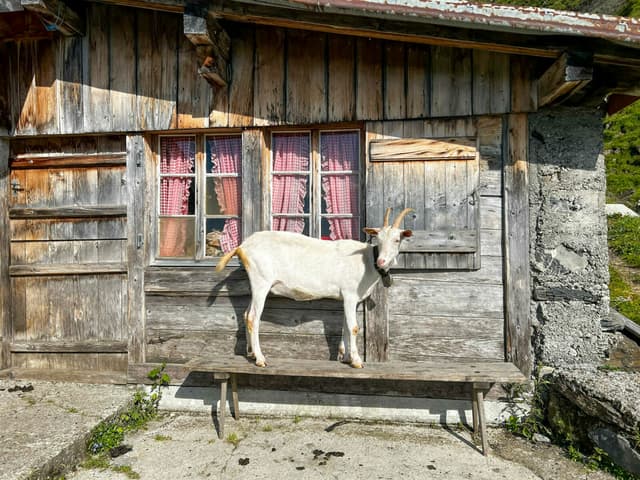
pixel 539 438
pixel 619 209
pixel 618 448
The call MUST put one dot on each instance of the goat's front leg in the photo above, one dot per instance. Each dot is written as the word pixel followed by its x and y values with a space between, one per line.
pixel 344 341
pixel 352 356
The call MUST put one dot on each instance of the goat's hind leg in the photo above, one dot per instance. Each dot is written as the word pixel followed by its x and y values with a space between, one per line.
pixel 252 323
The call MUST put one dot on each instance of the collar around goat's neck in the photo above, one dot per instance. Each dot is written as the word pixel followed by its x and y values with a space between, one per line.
pixel 384 274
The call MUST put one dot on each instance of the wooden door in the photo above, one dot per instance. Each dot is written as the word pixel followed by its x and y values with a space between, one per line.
pixel 68 269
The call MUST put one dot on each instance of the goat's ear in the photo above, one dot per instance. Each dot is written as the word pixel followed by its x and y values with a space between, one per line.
pixel 371 231
pixel 407 233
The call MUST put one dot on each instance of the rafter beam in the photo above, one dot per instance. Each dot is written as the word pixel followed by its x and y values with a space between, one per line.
pixel 211 41
pixel 566 77
pixel 57 16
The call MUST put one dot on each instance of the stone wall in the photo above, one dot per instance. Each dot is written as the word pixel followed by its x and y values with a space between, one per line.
pixel 568 250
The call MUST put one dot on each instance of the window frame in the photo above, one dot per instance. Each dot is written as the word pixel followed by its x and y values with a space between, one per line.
pixel 315 175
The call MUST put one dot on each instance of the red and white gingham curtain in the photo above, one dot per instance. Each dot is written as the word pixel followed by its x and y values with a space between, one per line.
pixel 339 152
pixel 290 153
pixel 226 157
pixel 177 158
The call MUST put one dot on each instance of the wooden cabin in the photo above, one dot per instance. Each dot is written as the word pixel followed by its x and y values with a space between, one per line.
pixel 140 140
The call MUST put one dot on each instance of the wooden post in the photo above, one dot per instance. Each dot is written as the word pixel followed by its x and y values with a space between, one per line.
pixel 224 378
pixel 478 401
pixel 252 152
pixel 5 281
pixel 516 245
pixel 136 245
pixel 234 396
pixel 377 325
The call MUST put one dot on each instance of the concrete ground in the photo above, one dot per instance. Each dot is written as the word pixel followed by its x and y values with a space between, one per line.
pixel 47 427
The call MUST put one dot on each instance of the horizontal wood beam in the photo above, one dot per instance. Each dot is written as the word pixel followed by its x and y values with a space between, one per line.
pixel 98 346
pixel 68 212
pixel 42 269
pixel 566 77
pixel 57 16
pixel 423 149
pixel 46 160
pixel 441 241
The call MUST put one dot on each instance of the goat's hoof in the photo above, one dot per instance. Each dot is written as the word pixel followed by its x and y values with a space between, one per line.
pixel 341 357
pixel 357 365
pixel 261 363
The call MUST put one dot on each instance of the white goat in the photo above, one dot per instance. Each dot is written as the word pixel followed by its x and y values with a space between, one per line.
pixel 304 268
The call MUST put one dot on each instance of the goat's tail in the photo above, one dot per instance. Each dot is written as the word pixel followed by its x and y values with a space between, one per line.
pixel 224 260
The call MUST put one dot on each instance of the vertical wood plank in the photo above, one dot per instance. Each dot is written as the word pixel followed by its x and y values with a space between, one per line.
pixel 194 93
pixel 451 82
pixel 70 75
pixel 269 95
pixel 377 325
pixel 25 99
pixel 417 81
pixel 516 245
pixel 394 194
pixel 414 188
pixel 374 180
pixel 96 89
pixel 252 148
pixel 122 70
pixel 341 82
pixel 157 69
pixel 45 87
pixel 369 79
pixel 491 91
pixel 306 73
pixel 6 117
pixel 394 92
pixel 524 98
pixel 5 280
pixel 241 85
pixel 136 184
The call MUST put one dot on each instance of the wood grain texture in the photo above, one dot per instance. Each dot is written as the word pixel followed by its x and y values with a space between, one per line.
pixel 269 94
pixel 451 82
pixel 394 95
pixel 491 89
pixel 517 281
pixel 306 79
pixel 369 101
pixel 5 282
pixel 241 86
pixel 422 149
pixel 136 183
pixel 341 86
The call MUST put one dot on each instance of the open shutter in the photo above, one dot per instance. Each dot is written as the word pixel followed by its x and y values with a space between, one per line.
pixel 438 177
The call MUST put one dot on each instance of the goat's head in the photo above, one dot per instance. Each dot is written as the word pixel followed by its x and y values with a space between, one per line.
pixel 389 238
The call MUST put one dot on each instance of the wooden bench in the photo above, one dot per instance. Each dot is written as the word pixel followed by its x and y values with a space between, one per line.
pixel 481 375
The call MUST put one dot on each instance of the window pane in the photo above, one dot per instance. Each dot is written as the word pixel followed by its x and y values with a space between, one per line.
pixel 223 196
pixel 340 228
pixel 222 235
pixel 339 151
pixel 177 196
pixel 224 154
pixel 297 225
pixel 177 155
pixel 291 152
pixel 340 194
pixel 177 237
pixel 289 194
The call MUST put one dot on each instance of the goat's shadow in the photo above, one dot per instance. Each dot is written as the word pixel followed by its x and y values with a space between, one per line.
pixel 281 317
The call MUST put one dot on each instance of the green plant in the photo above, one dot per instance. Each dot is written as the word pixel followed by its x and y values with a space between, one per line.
pixel 233 439
pixel 623 297
pixel 267 428
pixel 599 460
pixel 162 438
pixel 127 470
pixel 527 424
pixel 623 238
pixel 143 407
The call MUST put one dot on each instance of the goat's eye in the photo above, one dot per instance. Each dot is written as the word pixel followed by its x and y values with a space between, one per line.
pixel 398 240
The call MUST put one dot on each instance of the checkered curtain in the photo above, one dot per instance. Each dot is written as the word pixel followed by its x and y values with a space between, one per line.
pixel 226 157
pixel 339 152
pixel 177 158
pixel 291 153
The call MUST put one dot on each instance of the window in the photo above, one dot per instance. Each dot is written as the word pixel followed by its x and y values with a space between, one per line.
pixel 200 199
pixel 315 191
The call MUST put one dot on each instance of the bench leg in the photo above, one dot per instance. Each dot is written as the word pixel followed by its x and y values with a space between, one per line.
pixel 223 377
pixel 479 420
pixel 234 396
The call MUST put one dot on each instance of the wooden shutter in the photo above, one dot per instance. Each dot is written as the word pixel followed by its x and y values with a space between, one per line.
pixel 438 177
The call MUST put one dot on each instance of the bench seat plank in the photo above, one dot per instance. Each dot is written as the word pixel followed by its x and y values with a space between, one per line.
pixel 466 371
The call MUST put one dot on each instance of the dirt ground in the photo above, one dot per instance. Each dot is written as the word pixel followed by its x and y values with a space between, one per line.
pixel 186 446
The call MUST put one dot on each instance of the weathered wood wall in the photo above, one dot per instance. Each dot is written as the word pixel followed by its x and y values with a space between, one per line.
pixel 67 211
pixel 135 70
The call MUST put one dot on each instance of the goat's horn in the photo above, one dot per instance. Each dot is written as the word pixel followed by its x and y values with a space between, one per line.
pixel 386 217
pixel 398 220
